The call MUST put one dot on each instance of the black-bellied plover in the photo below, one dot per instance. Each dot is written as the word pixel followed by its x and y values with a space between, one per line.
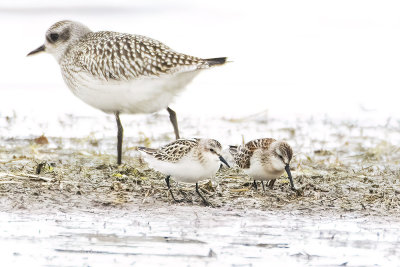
pixel 186 160
pixel 119 72
pixel 264 159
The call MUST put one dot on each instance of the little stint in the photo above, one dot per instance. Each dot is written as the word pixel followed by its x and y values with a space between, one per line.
pixel 264 159
pixel 186 160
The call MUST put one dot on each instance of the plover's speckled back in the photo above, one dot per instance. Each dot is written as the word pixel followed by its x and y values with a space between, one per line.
pixel 119 72
pixel 264 159
pixel 186 160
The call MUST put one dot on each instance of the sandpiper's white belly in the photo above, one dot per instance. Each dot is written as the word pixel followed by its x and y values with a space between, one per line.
pixel 259 172
pixel 187 170
pixel 144 95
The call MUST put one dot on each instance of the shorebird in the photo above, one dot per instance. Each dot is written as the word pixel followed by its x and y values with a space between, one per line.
pixel 264 159
pixel 119 72
pixel 186 160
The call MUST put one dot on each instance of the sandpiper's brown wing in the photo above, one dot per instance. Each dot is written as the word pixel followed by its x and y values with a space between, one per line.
pixel 173 151
pixel 260 143
pixel 242 154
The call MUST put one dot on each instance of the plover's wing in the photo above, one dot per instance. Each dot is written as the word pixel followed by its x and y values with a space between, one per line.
pixel 119 56
pixel 233 150
pixel 172 152
pixel 242 154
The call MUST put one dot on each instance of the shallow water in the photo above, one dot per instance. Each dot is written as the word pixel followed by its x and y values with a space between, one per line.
pixel 168 235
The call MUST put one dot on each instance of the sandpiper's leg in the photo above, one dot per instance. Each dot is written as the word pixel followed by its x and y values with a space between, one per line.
pixel 262 182
pixel 169 188
pixel 172 117
pixel 255 184
pixel 271 183
pixel 204 200
pixel 120 137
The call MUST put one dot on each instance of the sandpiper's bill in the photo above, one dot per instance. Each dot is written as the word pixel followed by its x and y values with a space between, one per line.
pixel 264 159
pixel 121 73
pixel 186 160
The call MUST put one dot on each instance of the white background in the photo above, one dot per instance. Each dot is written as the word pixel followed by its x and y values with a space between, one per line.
pixel 292 58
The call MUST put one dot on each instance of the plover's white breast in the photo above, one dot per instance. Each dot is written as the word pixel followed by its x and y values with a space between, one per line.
pixel 144 95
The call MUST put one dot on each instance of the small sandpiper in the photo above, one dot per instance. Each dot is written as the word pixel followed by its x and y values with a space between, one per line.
pixel 119 72
pixel 186 160
pixel 264 159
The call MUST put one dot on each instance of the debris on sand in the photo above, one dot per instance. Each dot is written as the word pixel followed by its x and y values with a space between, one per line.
pixel 355 173
pixel 41 140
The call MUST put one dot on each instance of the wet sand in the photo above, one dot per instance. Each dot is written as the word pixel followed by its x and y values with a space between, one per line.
pixel 64 202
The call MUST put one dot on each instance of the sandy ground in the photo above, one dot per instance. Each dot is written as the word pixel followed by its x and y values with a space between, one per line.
pixel 360 175
pixel 348 180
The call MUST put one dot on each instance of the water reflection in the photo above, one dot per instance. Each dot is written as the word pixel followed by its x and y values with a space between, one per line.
pixel 194 235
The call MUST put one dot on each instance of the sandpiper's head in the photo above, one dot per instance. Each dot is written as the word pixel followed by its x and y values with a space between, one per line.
pixel 213 149
pixel 282 154
pixel 60 36
pixel 282 151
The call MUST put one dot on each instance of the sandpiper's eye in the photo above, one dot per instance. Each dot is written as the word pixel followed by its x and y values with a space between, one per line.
pixel 281 157
pixel 212 150
pixel 54 37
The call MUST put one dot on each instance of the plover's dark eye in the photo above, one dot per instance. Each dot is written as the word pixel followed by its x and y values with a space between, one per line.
pixel 212 150
pixel 281 157
pixel 54 37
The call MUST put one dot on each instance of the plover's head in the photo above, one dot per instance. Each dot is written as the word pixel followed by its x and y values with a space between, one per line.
pixel 282 154
pixel 212 148
pixel 60 36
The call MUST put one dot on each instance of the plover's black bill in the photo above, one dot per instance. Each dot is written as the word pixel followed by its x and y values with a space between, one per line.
pixel 37 50
pixel 287 168
pixel 224 161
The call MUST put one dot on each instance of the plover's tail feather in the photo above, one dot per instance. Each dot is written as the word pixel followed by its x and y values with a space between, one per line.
pixel 233 150
pixel 216 61
pixel 147 150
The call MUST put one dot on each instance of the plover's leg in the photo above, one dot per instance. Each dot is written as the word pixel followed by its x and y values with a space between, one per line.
pixel 169 188
pixel 271 183
pixel 120 137
pixel 262 182
pixel 255 184
pixel 172 117
pixel 204 200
